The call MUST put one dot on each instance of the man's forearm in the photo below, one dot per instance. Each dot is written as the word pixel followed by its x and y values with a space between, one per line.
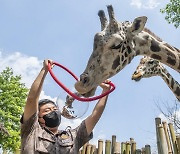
pixel 36 87
pixel 96 114
pixel 99 108
pixel 32 100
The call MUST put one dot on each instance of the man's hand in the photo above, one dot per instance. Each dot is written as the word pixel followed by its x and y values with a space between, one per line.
pixel 105 86
pixel 46 62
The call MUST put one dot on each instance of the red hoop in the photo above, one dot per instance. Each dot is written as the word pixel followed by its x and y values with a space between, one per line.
pixel 72 94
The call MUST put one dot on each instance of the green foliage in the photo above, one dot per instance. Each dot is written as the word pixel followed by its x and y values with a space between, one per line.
pixel 12 100
pixel 172 11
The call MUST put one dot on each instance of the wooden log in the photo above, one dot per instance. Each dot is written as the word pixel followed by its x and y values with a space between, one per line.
pixel 131 140
pixel 84 148
pixel 128 148
pixel 100 146
pixel 117 148
pixel 108 147
pixel 113 143
pixel 147 149
pixel 173 138
pixel 88 149
pixel 138 151
pixel 133 147
pixel 123 148
pixel 80 152
pixel 157 122
pixel 93 149
pixel 178 142
pixel 167 137
pixel 143 150
pixel 162 139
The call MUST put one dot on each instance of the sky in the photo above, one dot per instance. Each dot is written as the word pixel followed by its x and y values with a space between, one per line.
pixel 61 30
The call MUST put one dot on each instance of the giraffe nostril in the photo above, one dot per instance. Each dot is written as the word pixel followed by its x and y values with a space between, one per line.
pixel 84 78
pixel 135 72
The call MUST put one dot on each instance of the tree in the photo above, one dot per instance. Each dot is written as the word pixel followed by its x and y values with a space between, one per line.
pixel 171 112
pixel 13 94
pixel 3 130
pixel 172 11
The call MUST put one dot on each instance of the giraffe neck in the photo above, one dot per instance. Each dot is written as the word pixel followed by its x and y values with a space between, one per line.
pixel 146 43
pixel 171 82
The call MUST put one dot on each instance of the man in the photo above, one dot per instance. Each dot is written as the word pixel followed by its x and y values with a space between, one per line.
pixel 41 119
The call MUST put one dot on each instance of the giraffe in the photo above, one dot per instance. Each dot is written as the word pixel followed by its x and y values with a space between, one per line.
pixel 115 47
pixel 149 67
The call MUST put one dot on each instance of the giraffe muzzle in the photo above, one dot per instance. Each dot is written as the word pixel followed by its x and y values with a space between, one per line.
pixel 136 76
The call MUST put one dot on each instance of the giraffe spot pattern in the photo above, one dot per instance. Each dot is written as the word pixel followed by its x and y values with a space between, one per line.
pixel 129 49
pixel 172 55
pixel 156 56
pixel 155 46
pixel 167 81
pixel 171 61
pixel 177 91
pixel 137 52
pixel 172 83
pixel 124 62
pixel 122 58
pixel 116 63
pixel 179 67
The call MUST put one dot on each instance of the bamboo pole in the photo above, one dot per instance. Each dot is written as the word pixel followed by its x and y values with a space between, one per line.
pixel 93 149
pixel 108 147
pixel 117 148
pixel 84 148
pixel 162 139
pixel 133 147
pixel 173 138
pixel 128 148
pixel 178 142
pixel 157 123
pixel 100 146
pixel 143 150
pixel 167 137
pixel 113 143
pixel 88 149
pixel 147 149
pixel 138 151
pixel 123 148
pixel 80 152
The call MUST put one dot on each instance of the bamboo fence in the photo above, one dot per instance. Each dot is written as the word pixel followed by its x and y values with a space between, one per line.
pixel 168 142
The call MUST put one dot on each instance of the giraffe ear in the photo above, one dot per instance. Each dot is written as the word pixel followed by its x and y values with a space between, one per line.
pixel 138 25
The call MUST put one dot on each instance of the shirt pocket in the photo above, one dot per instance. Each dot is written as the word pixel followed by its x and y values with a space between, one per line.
pixel 44 144
pixel 66 142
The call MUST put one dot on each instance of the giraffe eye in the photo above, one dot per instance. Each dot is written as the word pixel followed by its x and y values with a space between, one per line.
pixel 150 62
pixel 116 46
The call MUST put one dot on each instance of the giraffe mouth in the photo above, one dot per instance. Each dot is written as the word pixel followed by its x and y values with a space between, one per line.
pixel 136 77
pixel 84 91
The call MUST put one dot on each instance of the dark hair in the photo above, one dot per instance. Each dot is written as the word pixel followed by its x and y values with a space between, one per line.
pixel 45 101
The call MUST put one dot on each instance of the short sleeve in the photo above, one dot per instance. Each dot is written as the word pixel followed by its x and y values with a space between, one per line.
pixel 28 126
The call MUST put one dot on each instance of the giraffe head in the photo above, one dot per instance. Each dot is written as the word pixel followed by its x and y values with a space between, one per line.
pixel 147 67
pixel 112 51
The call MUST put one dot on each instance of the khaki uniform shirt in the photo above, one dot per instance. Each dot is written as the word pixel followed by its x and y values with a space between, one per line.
pixel 38 140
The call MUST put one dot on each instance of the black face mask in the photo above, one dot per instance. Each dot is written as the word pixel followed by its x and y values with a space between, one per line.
pixel 52 119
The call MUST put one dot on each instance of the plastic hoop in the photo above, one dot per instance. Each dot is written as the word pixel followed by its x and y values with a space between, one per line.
pixel 72 94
